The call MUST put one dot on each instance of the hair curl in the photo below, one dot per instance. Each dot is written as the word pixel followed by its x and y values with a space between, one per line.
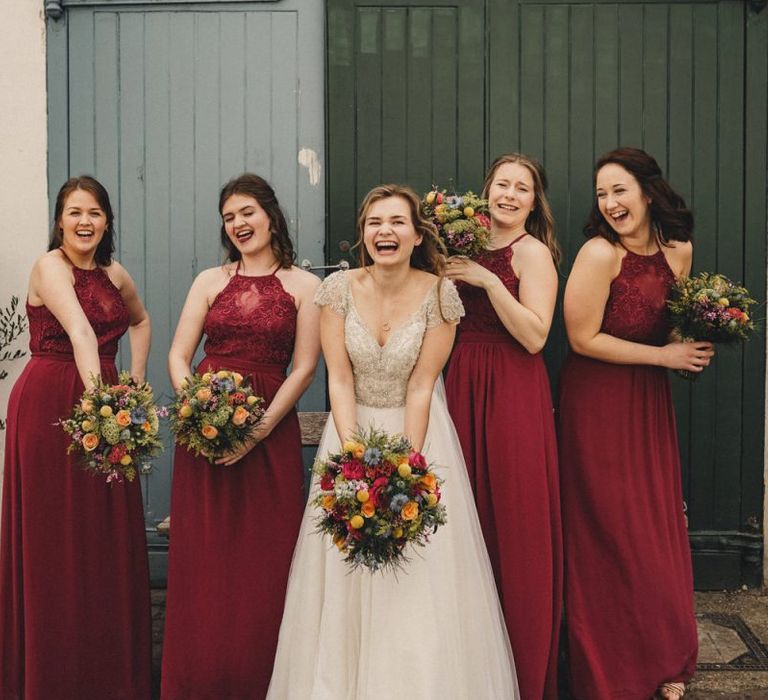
pixel 106 246
pixel 540 222
pixel 258 188
pixel 670 217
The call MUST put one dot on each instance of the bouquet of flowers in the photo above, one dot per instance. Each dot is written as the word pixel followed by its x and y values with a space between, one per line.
pixel 376 496
pixel 215 413
pixel 462 221
pixel 709 307
pixel 115 428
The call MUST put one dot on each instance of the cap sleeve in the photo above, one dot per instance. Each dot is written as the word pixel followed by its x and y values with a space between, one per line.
pixel 450 307
pixel 333 292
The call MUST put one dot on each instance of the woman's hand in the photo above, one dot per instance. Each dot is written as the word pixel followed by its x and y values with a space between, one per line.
pixel 466 270
pixel 691 356
pixel 256 437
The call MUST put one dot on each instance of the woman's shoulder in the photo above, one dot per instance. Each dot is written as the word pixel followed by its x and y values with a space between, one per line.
pixel 332 291
pixel 300 278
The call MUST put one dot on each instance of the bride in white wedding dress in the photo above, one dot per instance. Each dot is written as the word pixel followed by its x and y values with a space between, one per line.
pixel 433 630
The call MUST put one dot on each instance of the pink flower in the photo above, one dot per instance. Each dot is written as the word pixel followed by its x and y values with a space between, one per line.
pixel 353 470
pixel 377 490
pixel 326 482
pixel 117 453
pixel 417 460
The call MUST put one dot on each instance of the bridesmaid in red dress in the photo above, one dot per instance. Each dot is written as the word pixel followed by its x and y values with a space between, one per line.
pixel 629 586
pixel 235 523
pixel 499 398
pixel 74 581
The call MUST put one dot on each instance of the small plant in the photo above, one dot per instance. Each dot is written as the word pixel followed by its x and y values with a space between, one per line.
pixel 12 325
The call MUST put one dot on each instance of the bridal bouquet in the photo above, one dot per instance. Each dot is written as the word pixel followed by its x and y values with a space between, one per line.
pixel 709 307
pixel 462 221
pixel 215 413
pixel 377 496
pixel 114 427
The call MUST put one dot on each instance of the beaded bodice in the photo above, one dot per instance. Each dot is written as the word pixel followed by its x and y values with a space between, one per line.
pixel 636 309
pixel 254 319
pixel 481 316
pixel 103 306
pixel 381 372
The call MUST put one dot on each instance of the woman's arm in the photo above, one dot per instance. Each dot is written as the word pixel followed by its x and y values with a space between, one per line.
pixel 435 350
pixel 53 283
pixel 341 381
pixel 140 330
pixel 306 350
pixel 190 328
pixel 586 295
pixel 529 319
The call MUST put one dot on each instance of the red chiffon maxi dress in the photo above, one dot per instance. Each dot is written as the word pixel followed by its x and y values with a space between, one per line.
pixel 629 584
pixel 233 529
pixel 74 581
pixel 500 401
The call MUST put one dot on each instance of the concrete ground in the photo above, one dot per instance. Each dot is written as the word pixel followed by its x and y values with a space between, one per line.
pixel 733 632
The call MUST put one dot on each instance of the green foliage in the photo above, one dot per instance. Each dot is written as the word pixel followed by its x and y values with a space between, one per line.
pixel 12 325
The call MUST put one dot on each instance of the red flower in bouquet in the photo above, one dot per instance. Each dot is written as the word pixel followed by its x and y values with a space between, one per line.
pixel 353 470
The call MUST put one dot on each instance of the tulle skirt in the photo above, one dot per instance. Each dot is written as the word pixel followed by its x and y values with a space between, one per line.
pixel 432 630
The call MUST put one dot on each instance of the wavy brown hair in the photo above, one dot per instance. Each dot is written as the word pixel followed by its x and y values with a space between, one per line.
pixel 540 222
pixel 106 246
pixel 259 189
pixel 670 217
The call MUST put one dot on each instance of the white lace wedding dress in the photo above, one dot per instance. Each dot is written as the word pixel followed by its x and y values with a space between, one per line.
pixel 431 631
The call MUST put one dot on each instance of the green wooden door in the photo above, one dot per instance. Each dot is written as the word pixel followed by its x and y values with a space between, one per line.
pixel 163 103
pixel 425 92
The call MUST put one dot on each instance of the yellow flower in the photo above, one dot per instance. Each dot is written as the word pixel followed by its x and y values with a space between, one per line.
pixel 363 496
pixel 723 301
pixel 126 460
pixel 87 425
pixel 203 394
pixel 207 377
pixel 349 446
pixel 368 509
pixel 86 405
pixel 222 374
pixel 209 432
pixel 90 442
pixel 469 212
pixel 404 470
pixel 237 378
pixel 397 533
pixel 356 521
pixel 105 411
pixel 431 499
pixel 123 418
pixel 185 411
pixel 240 415
pixel 252 399
pixel 328 502
pixel 410 511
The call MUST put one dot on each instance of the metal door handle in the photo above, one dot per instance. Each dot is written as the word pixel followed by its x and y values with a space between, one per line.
pixel 309 267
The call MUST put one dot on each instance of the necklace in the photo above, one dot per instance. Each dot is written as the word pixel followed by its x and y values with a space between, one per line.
pixel 386 327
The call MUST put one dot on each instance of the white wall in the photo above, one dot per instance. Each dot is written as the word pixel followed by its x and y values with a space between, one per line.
pixel 23 155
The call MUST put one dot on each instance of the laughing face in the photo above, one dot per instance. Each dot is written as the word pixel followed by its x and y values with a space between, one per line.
pixel 246 224
pixel 82 223
pixel 622 201
pixel 388 231
pixel 511 196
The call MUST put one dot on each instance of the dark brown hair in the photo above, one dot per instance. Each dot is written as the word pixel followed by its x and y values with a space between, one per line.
pixel 670 217
pixel 540 222
pixel 257 187
pixel 86 183
pixel 430 254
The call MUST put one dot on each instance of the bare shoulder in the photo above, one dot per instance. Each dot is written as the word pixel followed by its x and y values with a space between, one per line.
pixel 301 279
pixel 117 274
pixel 52 261
pixel 599 252
pixel 532 250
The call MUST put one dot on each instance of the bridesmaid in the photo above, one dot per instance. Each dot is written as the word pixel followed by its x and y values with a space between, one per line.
pixel 74 582
pixel 499 398
pixel 629 593
pixel 235 522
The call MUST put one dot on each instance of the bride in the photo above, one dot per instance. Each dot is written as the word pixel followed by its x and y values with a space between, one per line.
pixel 435 629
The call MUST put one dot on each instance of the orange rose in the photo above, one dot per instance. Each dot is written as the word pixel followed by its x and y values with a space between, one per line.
pixel 86 405
pixel 410 511
pixel 146 426
pixel 123 418
pixel 368 509
pixel 209 432
pixel 429 481
pixel 329 500
pixel 359 451
pixel 203 394
pixel 90 442
pixel 240 415
pixel 237 378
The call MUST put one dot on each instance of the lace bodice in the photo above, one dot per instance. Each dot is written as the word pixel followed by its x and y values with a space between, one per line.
pixel 481 316
pixel 254 319
pixel 103 306
pixel 382 372
pixel 636 309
